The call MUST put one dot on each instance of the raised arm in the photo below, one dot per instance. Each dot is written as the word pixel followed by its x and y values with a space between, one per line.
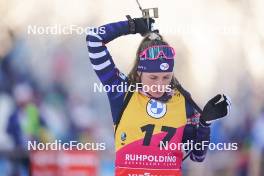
pixel 102 61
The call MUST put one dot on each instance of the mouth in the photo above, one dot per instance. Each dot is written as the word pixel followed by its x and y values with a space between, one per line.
pixel 157 94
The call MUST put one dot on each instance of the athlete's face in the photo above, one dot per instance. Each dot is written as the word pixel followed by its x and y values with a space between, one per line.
pixel 156 82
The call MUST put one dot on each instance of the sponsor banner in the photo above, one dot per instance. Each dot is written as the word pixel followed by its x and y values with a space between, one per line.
pixel 64 163
pixel 120 171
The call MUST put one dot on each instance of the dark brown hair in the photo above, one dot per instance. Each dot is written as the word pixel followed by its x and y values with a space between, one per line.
pixel 145 43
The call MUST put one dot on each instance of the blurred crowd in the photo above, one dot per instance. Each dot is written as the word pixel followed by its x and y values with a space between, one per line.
pixel 34 110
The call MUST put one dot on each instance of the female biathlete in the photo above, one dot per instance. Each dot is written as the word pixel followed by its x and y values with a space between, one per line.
pixel 150 122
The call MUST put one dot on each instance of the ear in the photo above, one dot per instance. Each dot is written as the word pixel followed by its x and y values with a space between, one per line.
pixel 139 74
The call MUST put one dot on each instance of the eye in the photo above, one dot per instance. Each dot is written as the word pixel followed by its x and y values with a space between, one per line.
pixel 166 77
pixel 153 77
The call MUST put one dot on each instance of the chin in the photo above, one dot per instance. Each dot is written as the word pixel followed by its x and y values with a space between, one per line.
pixel 157 94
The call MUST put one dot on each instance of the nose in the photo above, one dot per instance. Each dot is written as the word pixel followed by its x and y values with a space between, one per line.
pixel 159 82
